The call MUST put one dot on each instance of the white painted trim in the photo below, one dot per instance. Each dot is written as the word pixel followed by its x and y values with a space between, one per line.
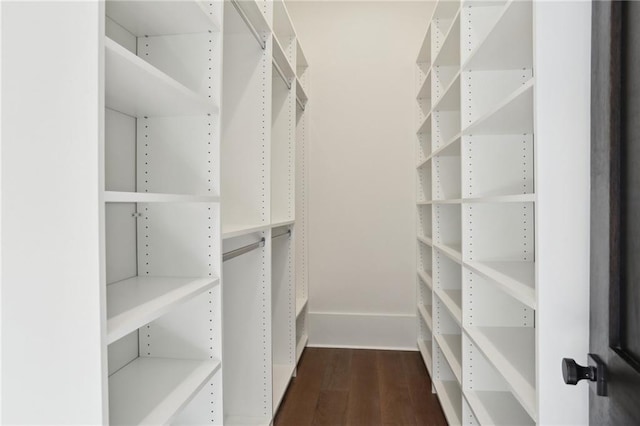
pixel 362 330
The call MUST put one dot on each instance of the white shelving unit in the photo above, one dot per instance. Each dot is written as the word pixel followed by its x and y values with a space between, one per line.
pixel 485 316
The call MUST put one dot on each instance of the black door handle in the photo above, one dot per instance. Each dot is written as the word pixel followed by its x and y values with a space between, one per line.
pixel 596 371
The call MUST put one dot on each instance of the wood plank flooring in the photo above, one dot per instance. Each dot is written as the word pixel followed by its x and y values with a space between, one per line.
pixel 360 387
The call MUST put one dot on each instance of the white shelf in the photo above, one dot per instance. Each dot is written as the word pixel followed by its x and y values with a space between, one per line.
pixel 424 162
pixel 497 408
pixel 424 54
pixel 280 58
pixel 137 301
pixel 300 347
pixel 425 350
pixel 511 350
pixel 425 127
pixel 426 278
pixel 514 115
pixel 450 398
pixel 508 44
pixel 282 374
pixel 301 94
pixel 301 60
pixel 252 11
pixel 454 251
pixel 136 88
pixel 426 315
pixel 283 223
pixel 424 203
pixel 145 18
pixel 449 53
pixel 247 421
pixel 147 197
pixel 451 346
pixel 516 278
pixel 450 201
pixel 502 199
pixel 450 99
pixel 452 299
pixel 425 88
pixel 300 305
pixel 451 148
pixel 425 240
pixel 153 390
pixel 233 231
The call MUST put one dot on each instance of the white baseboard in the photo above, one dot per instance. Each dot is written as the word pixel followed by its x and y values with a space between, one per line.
pixel 362 331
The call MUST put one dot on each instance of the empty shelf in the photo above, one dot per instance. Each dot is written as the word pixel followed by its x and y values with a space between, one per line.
pixel 300 305
pixel 153 390
pixel 425 240
pixel 452 250
pixel 514 115
pixel 137 301
pixel 511 350
pixel 497 408
pixel 451 346
pixel 233 231
pixel 449 53
pixel 147 197
pixel 136 88
pixel 280 58
pixel 452 299
pixel 425 276
pixel 145 18
pixel 425 312
pixel 425 351
pixel 497 199
pixel 451 400
pixel 516 278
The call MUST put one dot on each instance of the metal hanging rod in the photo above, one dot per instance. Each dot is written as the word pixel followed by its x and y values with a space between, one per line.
pixel 300 103
pixel 288 232
pixel 242 250
pixel 247 21
pixel 285 79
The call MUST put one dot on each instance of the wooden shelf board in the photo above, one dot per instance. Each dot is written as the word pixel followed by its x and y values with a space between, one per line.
pixel 281 59
pixel 252 10
pixel 425 276
pixel 301 302
pixel 247 421
pixel 452 299
pixel 451 346
pixel 508 44
pixel 511 350
pixel 449 53
pixel 282 374
pixel 425 126
pixel 232 231
pixel 145 18
pixel 147 197
pixel 425 350
pixel 154 390
pixel 450 397
pixel 450 99
pixel 137 301
pixel 449 201
pixel 453 251
pixel 283 223
pixel 516 278
pixel 514 115
pixel 425 240
pixel 502 199
pixel 497 408
pixel 426 316
pixel 136 88
pixel 450 149
pixel 302 343
pixel 425 88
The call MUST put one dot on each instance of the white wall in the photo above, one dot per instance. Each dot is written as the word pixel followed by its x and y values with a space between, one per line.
pixel 362 176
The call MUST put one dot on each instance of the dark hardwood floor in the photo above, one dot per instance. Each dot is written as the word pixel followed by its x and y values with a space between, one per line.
pixel 360 387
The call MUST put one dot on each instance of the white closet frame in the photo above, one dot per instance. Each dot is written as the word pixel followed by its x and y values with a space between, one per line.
pixel 167 138
pixel 502 180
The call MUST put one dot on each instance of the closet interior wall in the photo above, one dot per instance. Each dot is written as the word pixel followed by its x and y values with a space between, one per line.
pixel 484 312
pixel 198 122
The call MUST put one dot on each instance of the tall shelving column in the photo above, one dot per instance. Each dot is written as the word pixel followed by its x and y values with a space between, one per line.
pixel 498 224
pixel 302 201
pixel 162 216
pixel 283 204
pixel 424 276
pixel 246 213
pixel 495 321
